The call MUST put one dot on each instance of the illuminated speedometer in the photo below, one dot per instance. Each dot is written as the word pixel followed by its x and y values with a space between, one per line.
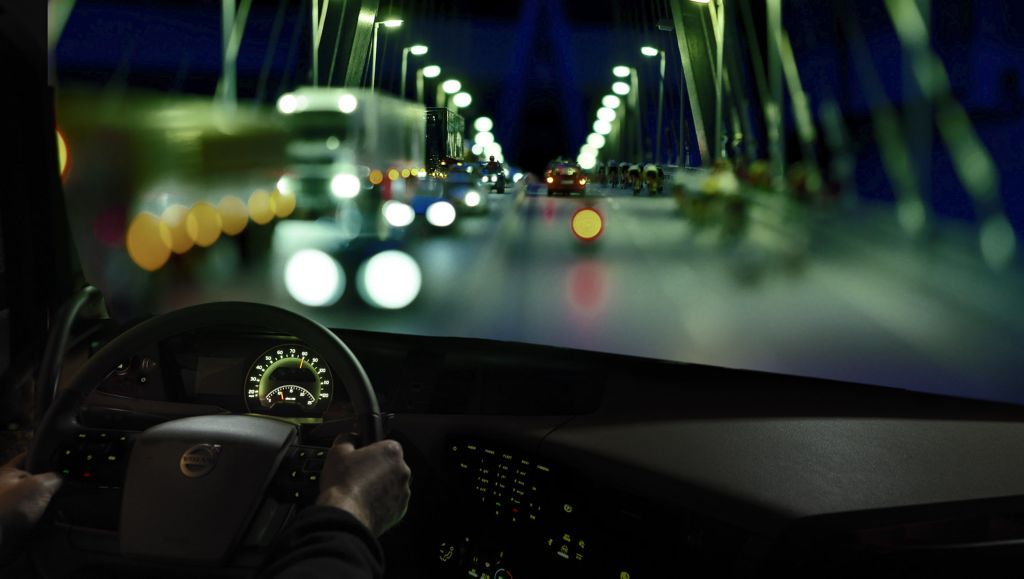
pixel 289 380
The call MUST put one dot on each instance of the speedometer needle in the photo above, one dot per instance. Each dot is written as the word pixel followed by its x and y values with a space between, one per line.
pixel 301 360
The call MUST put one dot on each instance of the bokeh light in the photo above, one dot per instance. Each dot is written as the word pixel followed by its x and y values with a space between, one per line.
pixel 175 219
pixel 203 224
pixel 347 103
pixel 390 280
pixel 611 101
pixel 345 186
pixel 284 202
pixel 62 154
pixel 148 241
pixel 261 207
pixel 398 214
pixel 483 124
pixel 314 278
pixel 586 161
pixel 233 215
pixel 287 104
pixel 483 138
pixel 606 114
pixel 587 224
pixel 441 214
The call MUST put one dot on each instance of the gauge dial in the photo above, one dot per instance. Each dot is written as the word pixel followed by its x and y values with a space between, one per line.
pixel 289 380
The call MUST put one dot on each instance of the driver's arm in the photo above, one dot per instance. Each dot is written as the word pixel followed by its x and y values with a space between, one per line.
pixel 363 493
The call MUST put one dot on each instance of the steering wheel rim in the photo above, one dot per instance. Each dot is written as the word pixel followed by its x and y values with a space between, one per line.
pixel 244 443
pixel 61 417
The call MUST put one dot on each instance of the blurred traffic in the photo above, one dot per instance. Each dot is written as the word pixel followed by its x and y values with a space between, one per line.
pixel 369 209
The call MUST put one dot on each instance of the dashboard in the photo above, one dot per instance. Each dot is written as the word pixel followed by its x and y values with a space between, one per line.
pixel 524 516
pixel 531 461
pixel 239 373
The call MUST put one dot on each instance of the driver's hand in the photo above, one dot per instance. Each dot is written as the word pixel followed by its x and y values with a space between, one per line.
pixel 23 497
pixel 372 483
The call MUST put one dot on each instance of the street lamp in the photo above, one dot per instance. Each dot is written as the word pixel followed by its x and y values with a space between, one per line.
pixel 622 88
pixel 448 87
pixel 389 23
pixel 611 101
pixel 606 114
pixel 651 51
pixel 462 100
pixel 430 71
pixel 483 124
pixel 416 50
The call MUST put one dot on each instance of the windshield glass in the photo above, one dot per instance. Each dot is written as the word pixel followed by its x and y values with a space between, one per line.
pixel 814 188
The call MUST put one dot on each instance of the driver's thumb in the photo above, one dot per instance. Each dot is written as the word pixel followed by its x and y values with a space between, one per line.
pixel 343 446
pixel 49 483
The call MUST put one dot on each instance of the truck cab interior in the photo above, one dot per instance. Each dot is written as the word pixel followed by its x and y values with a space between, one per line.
pixel 530 457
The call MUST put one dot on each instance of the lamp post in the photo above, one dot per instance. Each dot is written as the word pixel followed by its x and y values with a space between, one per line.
pixel 461 100
pixel 632 88
pixel 448 87
pixel 389 23
pixel 431 71
pixel 416 50
pixel 650 51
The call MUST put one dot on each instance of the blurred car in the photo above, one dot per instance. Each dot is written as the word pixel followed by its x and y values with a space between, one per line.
pixel 565 177
pixel 431 204
pixel 463 189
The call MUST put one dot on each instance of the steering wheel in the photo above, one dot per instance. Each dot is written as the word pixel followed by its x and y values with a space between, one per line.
pixel 194 486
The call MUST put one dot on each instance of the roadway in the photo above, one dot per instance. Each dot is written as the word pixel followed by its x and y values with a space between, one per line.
pixel 845 298
pixel 838 293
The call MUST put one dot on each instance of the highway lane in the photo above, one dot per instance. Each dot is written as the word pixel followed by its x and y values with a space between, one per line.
pixel 837 297
pixel 655 285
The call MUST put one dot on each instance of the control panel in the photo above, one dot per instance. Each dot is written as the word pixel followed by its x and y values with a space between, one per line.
pixel 521 516
pixel 511 513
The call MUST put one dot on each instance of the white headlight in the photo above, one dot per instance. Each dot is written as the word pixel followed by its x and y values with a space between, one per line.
pixel 314 278
pixel 389 280
pixel 345 186
pixel 472 199
pixel 398 214
pixel 347 103
pixel 441 214
pixel 287 104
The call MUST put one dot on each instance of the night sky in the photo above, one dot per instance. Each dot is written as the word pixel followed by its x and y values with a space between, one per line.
pixel 540 67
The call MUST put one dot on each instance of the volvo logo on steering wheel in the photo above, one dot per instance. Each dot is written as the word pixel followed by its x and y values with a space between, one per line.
pixel 199 460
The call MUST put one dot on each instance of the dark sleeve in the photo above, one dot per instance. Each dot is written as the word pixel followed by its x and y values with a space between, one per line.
pixel 324 542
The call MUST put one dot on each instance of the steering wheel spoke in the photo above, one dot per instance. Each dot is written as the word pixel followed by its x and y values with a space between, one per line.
pixel 94 458
pixel 298 478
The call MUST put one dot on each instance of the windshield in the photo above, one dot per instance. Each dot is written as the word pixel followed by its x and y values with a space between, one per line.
pixel 813 188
